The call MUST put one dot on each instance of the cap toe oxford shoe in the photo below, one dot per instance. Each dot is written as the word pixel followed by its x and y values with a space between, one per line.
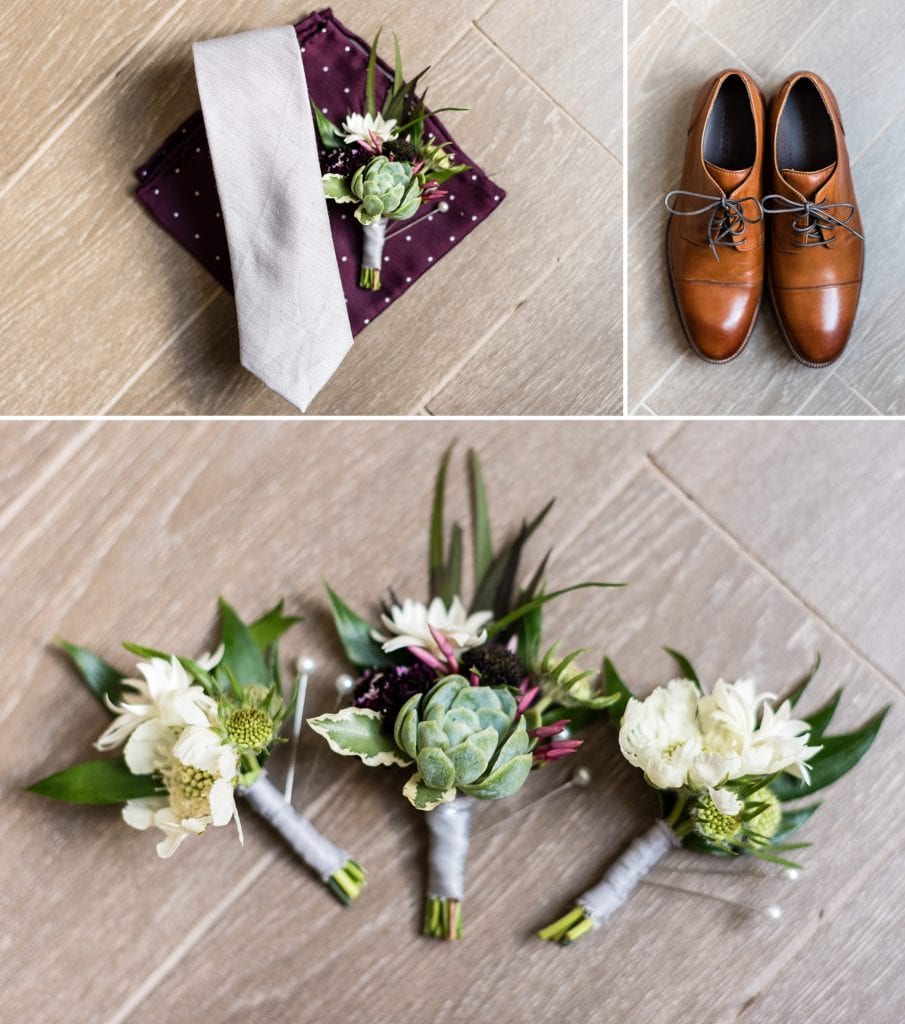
pixel 816 252
pixel 715 237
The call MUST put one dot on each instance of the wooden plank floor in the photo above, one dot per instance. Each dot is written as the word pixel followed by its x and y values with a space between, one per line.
pixel 130 530
pixel 101 312
pixel 673 48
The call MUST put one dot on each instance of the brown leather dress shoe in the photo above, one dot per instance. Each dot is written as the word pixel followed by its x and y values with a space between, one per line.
pixel 816 259
pixel 715 239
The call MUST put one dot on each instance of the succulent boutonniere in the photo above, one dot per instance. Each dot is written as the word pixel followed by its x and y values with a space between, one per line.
pixel 728 765
pixel 460 694
pixel 195 733
pixel 382 163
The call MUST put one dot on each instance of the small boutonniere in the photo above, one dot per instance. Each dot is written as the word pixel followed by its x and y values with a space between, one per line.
pixel 195 734
pixel 382 163
pixel 460 693
pixel 725 764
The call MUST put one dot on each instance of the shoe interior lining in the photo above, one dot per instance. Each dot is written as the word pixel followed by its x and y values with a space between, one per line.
pixel 729 136
pixel 805 140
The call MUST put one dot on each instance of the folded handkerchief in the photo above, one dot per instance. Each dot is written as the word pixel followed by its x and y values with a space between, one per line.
pixel 179 179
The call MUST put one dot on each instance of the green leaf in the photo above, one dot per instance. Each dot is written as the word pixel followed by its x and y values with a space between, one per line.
pixel 685 666
pixel 192 667
pixel 614 686
pixel 452 571
pixel 436 562
pixel 480 520
pixel 101 678
pixel 398 77
pixel 818 720
pixel 537 602
pixel 370 79
pixel 528 592
pixel 802 683
pixel 838 755
pixel 359 732
pixel 106 781
pixel 432 113
pixel 495 590
pixel 445 173
pixel 241 655
pixel 337 188
pixel 793 819
pixel 268 629
pixel 355 635
pixel 762 854
pixel 528 637
pixel 423 797
pixel 331 136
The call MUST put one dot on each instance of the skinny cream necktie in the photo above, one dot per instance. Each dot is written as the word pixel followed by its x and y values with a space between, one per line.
pixel 293 325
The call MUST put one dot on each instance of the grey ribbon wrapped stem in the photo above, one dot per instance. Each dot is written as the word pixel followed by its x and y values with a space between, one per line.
pixel 644 853
pixel 293 325
pixel 372 250
pixel 318 853
pixel 449 826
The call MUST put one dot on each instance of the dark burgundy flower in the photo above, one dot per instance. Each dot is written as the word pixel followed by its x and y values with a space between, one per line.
pixel 494 665
pixel 387 689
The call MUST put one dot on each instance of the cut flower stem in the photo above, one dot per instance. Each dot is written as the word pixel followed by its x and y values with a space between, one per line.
pixel 347 882
pixel 443 918
pixel 342 875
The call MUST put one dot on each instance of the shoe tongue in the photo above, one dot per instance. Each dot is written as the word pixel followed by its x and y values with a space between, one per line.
pixel 809 183
pixel 728 181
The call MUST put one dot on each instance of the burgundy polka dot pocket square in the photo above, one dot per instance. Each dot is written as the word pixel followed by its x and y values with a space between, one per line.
pixel 178 188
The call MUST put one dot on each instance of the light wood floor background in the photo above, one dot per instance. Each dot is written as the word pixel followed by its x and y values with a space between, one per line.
pixel 673 48
pixel 131 530
pixel 101 312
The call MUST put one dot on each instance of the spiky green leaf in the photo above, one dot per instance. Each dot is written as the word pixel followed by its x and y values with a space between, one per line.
pixel 436 559
pixel 508 620
pixel 480 519
pixel 371 77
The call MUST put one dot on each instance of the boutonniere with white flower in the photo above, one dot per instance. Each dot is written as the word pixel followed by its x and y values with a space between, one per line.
pixel 460 694
pixel 383 163
pixel 728 765
pixel 195 734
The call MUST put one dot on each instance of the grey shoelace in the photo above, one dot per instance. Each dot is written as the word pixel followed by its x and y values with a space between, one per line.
pixel 728 221
pixel 819 224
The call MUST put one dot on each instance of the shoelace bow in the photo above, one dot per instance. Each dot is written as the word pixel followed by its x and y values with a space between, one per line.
pixel 819 224
pixel 728 221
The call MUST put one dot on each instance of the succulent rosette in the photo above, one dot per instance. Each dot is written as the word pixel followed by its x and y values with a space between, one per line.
pixel 460 694
pixel 382 163
pixel 195 734
pixel 729 765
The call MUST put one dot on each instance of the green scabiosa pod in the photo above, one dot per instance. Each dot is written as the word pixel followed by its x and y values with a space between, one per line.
pixel 463 737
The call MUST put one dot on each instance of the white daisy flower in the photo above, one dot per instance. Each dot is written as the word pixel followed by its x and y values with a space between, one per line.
pixel 361 127
pixel 200 782
pixel 164 701
pixel 411 622
pixel 660 734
